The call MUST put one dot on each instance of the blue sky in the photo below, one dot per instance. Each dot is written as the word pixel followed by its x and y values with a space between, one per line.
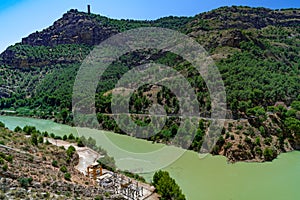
pixel 18 18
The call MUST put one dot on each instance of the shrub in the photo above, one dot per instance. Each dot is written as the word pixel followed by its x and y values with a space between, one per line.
pixel 5 167
pixel 2 125
pixel 41 139
pixel 269 154
pixel 80 143
pixel 34 139
pixel 25 182
pixel 248 140
pixel 54 163
pixel 65 137
pixel 228 145
pixel 70 151
pixel 239 127
pixel 257 141
pixel 67 176
pixel 63 169
pixel 71 137
pixel 18 129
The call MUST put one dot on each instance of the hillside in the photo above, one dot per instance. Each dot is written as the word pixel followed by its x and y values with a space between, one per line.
pixel 40 170
pixel 255 49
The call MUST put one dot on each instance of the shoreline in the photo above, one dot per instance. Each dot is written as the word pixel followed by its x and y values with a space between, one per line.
pixel 231 161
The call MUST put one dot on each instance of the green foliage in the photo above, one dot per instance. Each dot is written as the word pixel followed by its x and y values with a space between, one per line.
pixel 228 145
pixel 70 151
pixel 67 176
pixel 166 186
pixel 269 154
pixel 25 182
pixel 18 129
pixel 40 139
pixel 296 105
pixel 34 139
pixel 29 130
pixel 80 143
pixel 71 137
pixel 54 163
pixel 63 169
pixel 65 137
pixel 293 124
pixel 2 125
pixel 5 167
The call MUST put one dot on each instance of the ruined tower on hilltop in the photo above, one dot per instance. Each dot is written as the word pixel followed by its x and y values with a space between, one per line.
pixel 89 9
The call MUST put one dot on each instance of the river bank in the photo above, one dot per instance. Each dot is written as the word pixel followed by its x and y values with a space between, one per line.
pixel 198 178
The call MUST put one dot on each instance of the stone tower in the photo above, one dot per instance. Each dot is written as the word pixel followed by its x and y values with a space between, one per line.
pixel 89 9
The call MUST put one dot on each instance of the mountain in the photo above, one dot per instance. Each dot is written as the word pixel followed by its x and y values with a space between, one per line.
pixel 255 49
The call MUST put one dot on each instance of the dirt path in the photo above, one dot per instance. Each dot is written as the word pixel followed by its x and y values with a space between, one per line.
pixel 87 156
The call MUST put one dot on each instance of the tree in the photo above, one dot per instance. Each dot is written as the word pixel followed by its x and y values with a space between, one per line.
pixel 269 154
pixel 64 114
pixel 65 137
pixel 166 186
pixel 34 139
pixel 18 129
pixel 293 124
pixel 70 151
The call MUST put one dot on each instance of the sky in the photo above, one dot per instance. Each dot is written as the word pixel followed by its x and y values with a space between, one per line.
pixel 19 18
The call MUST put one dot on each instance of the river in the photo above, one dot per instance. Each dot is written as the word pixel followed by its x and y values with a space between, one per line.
pixel 209 178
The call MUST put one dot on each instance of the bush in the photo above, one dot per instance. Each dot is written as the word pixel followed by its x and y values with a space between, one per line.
pixel 18 129
pixel 34 139
pixel 67 176
pixel 248 140
pixel 41 139
pixel 71 137
pixel 63 169
pixel 80 143
pixel 65 137
pixel 70 151
pixel 45 134
pixel 54 163
pixel 98 198
pixel 47 142
pixel 25 182
pixel 5 167
pixel 269 154
pixel 9 158
pixel 2 125
pixel 239 127
pixel 228 145
pixel 57 137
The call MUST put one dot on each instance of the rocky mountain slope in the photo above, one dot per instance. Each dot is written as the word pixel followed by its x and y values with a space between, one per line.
pixel 255 49
pixel 40 170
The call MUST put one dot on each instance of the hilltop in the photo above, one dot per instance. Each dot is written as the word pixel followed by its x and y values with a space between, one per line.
pixel 255 49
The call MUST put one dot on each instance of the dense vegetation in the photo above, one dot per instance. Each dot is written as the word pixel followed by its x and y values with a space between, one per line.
pixel 258 60
pixel 166 186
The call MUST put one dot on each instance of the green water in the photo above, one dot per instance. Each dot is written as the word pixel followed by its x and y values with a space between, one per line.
pixel 210 178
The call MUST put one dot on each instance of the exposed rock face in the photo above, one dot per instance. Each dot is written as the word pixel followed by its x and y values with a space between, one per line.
pixel 245 17
pixel 73 28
